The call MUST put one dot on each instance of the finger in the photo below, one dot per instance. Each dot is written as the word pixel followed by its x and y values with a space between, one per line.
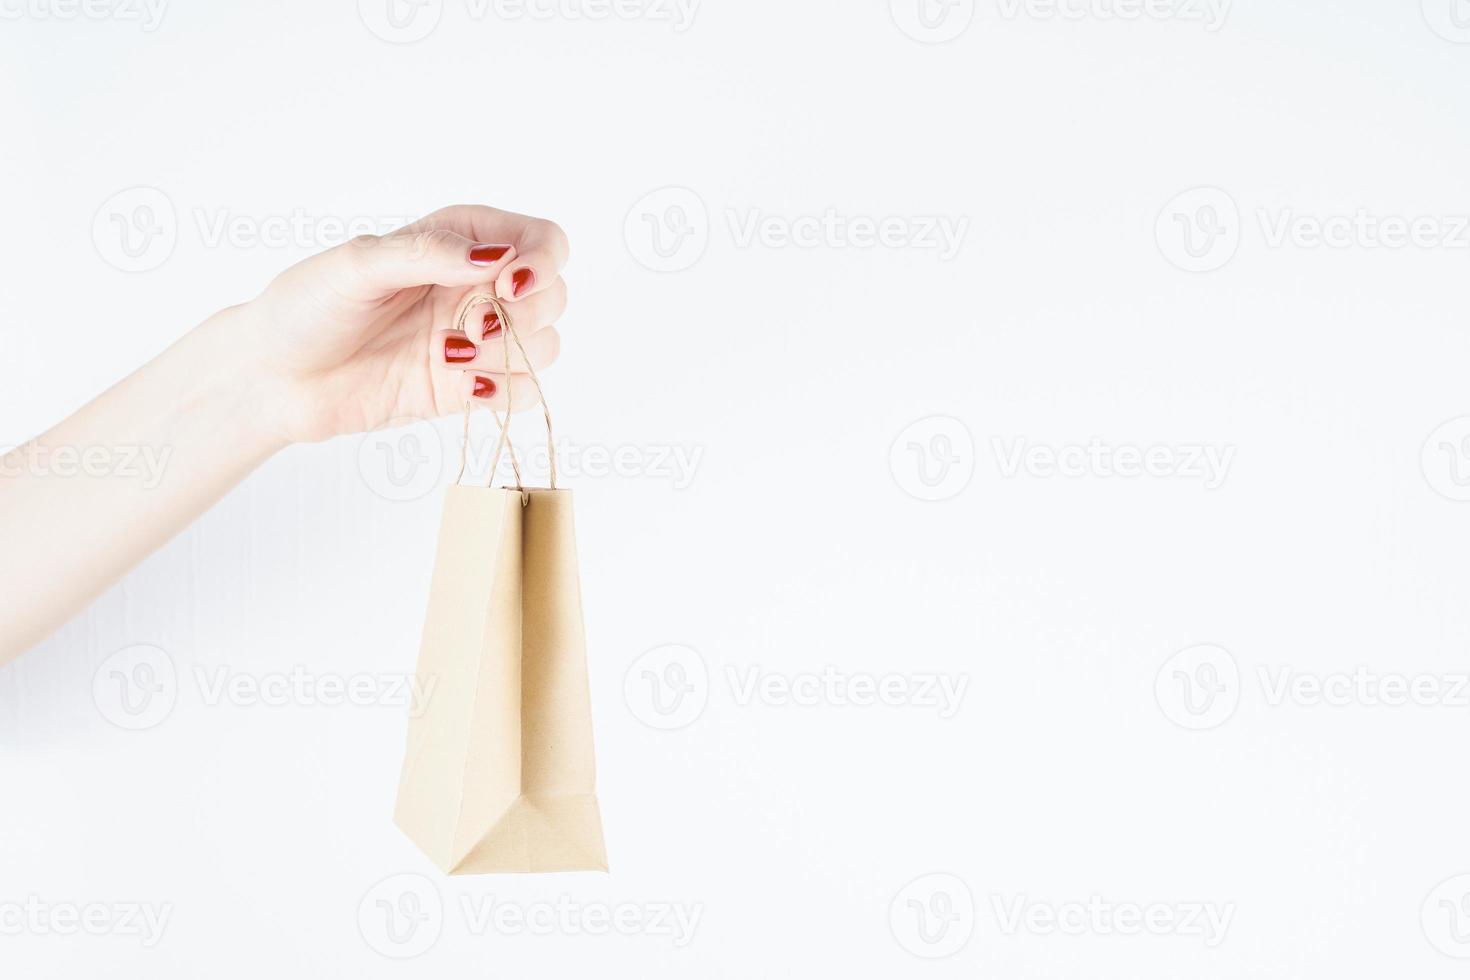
pixel 369 266
pixel 486 389
pixel 542 348
pixel 541 245
pixel 528 315
pixel 541 253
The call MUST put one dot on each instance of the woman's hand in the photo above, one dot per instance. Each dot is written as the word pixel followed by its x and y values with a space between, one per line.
pixel 343 342
pixel 365 332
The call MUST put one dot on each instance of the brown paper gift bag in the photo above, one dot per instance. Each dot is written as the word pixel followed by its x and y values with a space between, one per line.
pixel 499 773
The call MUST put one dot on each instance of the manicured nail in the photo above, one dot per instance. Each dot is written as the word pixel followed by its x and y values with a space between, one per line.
pixel 484 387
pixel 492 324
pixel 521 281
pixel 488 254
pixel 457 350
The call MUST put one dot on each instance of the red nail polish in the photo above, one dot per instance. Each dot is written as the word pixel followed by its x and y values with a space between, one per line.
pixel 484 387
pixel 521 281
pixel 488 254
pixel 492 324
pixel 457 350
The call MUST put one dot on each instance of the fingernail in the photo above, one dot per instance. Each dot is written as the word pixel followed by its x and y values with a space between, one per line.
pixel 488 254
pixel 492 324
pixel 521 281
pixel 484 387
pixel 457 350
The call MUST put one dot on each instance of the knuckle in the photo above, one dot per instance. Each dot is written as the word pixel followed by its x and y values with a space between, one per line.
pixel 428 242
pixel 553 234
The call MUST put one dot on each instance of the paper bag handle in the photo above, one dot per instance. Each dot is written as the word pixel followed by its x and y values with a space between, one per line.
pixel 507 334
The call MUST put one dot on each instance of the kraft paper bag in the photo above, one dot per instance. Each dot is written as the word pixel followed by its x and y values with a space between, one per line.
pixel 499 773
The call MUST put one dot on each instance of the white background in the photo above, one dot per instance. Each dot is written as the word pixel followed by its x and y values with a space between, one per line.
pixel 1076 768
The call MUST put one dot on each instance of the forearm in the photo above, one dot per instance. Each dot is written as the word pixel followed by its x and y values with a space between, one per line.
pixel 88 500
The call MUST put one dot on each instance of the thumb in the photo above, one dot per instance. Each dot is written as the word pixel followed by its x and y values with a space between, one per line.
pixel 370 266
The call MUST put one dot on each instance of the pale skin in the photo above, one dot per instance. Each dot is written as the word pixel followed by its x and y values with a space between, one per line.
pixel 343 342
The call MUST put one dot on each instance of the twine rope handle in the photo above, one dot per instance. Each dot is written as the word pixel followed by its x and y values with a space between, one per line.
pixel 507 334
